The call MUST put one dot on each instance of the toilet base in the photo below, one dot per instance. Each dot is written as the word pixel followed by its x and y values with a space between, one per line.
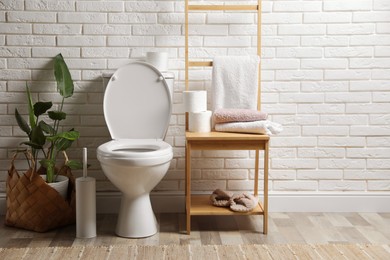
pixel 136 217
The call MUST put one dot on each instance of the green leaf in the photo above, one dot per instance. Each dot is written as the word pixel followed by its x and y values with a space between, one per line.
pixel 41 108
pixel 30 108
pixel 64 79
pixel 22 123
pixel 62 144
pixel 57 115
pixel 70 135
pixel 37 137
pixel 48 129
pixel 74 165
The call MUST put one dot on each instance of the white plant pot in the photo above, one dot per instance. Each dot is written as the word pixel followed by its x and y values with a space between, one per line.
pixel 61 185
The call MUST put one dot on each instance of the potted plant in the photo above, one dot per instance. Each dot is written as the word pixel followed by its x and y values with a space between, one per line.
pixel 41 133
pixel 46 142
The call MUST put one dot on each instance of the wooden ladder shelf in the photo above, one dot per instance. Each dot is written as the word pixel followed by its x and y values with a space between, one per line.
pixel 200 204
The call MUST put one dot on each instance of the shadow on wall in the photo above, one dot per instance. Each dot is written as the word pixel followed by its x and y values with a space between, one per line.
pixel 87 109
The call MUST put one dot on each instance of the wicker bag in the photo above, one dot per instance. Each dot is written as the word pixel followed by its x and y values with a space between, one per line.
pixel 32 204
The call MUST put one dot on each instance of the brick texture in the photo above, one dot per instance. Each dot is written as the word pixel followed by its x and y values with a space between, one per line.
pixel 325 77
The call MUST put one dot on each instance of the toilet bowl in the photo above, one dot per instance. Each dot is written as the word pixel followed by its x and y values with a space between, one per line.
pixel 135 167
pixel 137 110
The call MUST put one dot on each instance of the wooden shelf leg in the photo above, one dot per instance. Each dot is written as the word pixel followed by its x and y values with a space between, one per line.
pixel 188 187
pixel 256 179
pixel 265 216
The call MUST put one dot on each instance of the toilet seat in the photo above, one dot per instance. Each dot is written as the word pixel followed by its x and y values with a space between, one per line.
pixel 137 103
pixel 137 109
pixel 135 152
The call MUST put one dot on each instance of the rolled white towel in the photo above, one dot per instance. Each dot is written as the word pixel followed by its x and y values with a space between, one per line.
pixel 255 127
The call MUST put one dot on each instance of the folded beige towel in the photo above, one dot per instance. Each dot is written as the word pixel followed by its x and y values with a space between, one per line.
pixel 227 115
pixel 221 198
pixel 243 202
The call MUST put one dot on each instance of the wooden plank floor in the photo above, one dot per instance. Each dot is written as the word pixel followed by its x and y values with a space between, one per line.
pixel 292 228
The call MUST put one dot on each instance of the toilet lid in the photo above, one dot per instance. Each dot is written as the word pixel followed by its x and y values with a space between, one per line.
pixel 137 103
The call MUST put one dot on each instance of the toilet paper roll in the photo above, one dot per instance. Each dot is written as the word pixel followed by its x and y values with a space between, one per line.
pixel 158 60
pixel 195 101
pixel 200 121
pixel 85 207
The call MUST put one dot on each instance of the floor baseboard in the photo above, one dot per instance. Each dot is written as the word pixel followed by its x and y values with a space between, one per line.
pixel 108 202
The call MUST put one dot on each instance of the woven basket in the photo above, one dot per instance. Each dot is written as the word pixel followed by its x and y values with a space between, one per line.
pixel 33 205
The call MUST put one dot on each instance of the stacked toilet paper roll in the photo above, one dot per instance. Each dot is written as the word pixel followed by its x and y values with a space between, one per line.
pixel 195 101
pixel 199 118
pixel 158 60
pixel 199 121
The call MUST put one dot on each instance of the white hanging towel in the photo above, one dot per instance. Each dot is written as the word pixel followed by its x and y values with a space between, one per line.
pixel 235 82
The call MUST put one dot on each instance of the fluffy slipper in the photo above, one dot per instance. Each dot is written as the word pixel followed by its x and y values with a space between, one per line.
pixel 243 202
pixel 221 198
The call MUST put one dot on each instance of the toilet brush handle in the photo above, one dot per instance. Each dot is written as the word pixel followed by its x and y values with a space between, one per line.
pixel 85 162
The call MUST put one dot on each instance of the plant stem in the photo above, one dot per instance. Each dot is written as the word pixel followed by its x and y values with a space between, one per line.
pixel 62 104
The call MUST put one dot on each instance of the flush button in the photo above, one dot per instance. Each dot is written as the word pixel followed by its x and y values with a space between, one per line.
pixel 113 78
pixel 161 78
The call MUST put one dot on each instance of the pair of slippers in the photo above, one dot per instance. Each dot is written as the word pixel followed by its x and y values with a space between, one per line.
pixel 243 202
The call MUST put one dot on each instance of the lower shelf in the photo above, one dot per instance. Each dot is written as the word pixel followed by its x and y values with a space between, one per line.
pixel 201 205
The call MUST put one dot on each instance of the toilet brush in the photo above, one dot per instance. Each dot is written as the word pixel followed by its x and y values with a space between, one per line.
pixel 85 203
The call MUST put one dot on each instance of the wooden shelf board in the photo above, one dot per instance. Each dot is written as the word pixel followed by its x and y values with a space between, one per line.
pixel 200 63
pixel 224 136
pixel 201 205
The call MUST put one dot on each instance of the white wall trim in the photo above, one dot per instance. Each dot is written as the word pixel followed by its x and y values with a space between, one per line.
pixel 329 202
pixel 108 202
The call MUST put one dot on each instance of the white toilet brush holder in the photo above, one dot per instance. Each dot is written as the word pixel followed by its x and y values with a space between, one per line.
pixel 85 203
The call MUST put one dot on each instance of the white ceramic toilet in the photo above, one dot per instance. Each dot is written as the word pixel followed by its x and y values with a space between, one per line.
pixel 137 110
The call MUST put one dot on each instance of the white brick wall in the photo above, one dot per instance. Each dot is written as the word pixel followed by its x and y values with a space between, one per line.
pixel 325 78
